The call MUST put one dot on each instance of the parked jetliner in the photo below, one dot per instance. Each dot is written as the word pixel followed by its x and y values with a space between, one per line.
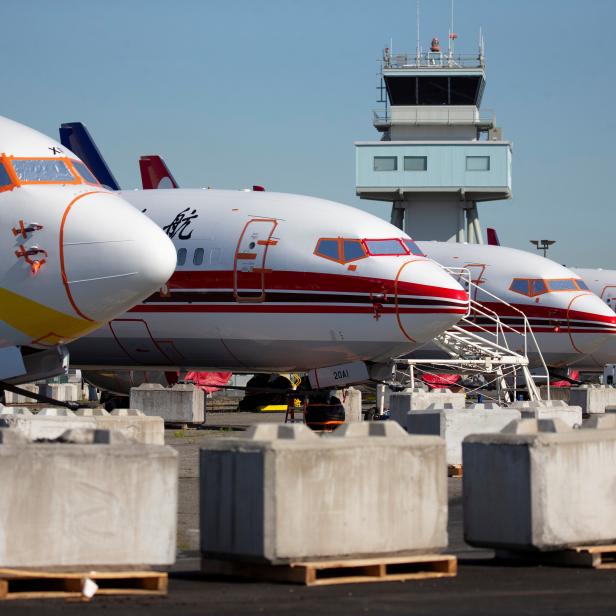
pixel 276 282
pixel 603 283
pixel 74 254
pixel 569 321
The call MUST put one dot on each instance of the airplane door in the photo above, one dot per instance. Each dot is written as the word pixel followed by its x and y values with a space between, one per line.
pixel 608 295
pixel 477 271
pixel 250 257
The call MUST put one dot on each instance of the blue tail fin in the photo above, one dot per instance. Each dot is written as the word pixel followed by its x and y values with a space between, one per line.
pixel 75 137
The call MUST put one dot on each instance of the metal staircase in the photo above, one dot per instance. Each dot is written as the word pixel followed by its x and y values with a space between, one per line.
pixel 481 344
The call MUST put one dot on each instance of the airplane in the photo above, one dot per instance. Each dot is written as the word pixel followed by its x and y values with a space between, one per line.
pixel 75 254
pixel 495 271
pixel 567 318
pixel 272 282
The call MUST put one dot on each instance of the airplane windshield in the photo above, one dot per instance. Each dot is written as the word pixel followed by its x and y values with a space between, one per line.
pixel 385 247
pixel 84 172
pixel 42 170
pixel 412 246
pixel 532 287
pixel 563 284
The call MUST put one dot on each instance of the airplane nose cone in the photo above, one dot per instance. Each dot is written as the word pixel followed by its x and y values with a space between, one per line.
pixel 428 300
pixel 590 323
pixel 112 256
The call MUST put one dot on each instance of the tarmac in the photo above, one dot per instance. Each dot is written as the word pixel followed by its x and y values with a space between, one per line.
pixel 482 586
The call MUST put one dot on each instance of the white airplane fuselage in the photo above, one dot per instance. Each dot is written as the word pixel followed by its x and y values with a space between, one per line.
pixel 256 290
pixel 568 320
pixel 603 283
pixel 73 254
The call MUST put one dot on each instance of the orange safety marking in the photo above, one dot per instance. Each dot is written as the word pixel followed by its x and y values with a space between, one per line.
pixel 62 267
pixel 11 173
pixel 352 268
pixel 246 255
pixel 396 281
pixel 267 242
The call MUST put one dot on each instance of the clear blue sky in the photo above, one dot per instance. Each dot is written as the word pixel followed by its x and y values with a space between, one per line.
pixel 275 92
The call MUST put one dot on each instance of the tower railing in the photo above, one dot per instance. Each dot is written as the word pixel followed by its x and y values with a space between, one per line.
pixel 432 59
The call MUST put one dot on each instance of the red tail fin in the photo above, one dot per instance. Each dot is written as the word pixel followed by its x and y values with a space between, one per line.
pixel 492 237
pixel 155 173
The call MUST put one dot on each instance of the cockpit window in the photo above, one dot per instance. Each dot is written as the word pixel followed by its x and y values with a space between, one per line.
pixel 562 284
pixel 330 249
pixel 5 180
pixel 385 247
pixel 353 250
pixel 340 250
pixel 532 287
pixel 84 172
pixel 414 249
pixel 581 284
pixel 42 170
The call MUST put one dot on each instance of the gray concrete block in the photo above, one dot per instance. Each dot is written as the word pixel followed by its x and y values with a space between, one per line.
pixel 131 423
pixel 539 485
pixel 47 424
pixel 455 424
pixel 550 409
pixel 556 393
pixel 593 398
pixel 13 398
pixel 281 493
pixel 177 404
pixel 71 505
pixel 400 403
pixel 351 401
pixel 605 421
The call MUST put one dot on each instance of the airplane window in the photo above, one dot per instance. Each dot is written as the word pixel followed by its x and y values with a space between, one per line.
pixel 385 247
pixel 5 180
pixel 519 285
pixel 198 256
pixel 328 249
pixel 84 172
pixel 181 256
pixel 353 250
pixel 563 284
pixel 581 284
pixel 414 249
pixel 537 287
pixel 42 170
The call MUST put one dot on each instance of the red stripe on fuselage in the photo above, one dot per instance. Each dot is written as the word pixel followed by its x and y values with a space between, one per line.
pixel 277 308
pixel 311 281
pixel 547 312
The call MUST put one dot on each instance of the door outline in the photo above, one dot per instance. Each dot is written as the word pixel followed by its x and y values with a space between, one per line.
pixel 476 280
pixel 612 297
pixel 149 333
pixel 260 267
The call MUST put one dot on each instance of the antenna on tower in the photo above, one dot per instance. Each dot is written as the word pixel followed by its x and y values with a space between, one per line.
pixel 481 48
pixel 418 51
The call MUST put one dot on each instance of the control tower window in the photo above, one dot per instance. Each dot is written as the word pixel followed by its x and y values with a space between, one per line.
pixel 478 163
pixel 434 91
pixel 42 170
pixel 415 163
pixel 385 163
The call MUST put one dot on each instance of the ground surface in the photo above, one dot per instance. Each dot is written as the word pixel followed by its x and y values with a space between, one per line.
pixel 482 586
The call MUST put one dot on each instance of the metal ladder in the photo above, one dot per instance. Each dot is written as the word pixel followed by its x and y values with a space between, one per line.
pixel 481 343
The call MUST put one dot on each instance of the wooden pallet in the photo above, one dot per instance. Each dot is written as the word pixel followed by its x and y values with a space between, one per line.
pixel 351 571
pixel 592 556
pixel 454 470
pixel 25 584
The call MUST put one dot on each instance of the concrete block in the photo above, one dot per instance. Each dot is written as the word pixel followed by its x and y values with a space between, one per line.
pixel 593 398
pixel 87 505
pixel 550 409
pixel 539 485
pixel 400 403
pixel 605 421
pixel 351 401
pixel 47 424
pixel 556 393
pixel 281 493
pixel 12 437
pixel 13 398
pixel 455 424
pixel 178 404
pixel 131 423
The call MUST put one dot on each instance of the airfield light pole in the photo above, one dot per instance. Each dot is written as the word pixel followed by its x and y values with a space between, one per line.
pixel 543 245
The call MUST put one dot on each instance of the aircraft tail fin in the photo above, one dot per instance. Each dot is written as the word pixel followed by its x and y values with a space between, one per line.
pixel 492 237
pixel 155 173
pixel 75 137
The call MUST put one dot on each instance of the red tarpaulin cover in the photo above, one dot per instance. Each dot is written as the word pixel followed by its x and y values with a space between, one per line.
pixel 208 381
pixel 435 381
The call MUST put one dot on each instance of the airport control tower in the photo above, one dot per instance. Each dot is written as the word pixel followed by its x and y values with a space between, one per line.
pixel 439 154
